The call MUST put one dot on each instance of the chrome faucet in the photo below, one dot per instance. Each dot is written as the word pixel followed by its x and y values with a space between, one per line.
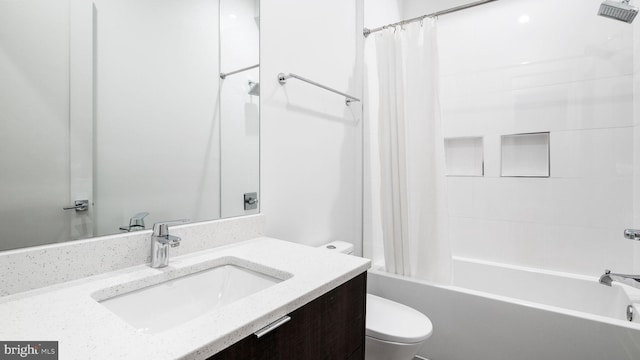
pixel 161 241
pixel 136 223
pixel 608 277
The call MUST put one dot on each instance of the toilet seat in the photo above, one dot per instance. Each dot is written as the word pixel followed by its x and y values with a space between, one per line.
pixel 390 321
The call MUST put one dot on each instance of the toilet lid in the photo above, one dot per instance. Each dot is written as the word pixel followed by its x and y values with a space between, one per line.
pixel 390 321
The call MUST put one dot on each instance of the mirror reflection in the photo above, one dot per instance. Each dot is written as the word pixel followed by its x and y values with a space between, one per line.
pixel 114 115
pixel 240 103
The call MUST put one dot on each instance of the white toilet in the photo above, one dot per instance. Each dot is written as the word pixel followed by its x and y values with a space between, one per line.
pixel 394 331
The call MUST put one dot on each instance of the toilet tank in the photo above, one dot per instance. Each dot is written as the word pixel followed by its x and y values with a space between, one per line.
pixel 339 246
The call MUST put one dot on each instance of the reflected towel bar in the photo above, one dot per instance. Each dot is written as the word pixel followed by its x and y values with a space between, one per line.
pixel 282 78
pixel 224 75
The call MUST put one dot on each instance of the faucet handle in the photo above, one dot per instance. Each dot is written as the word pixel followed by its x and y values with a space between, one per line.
pixel 162 228
pixel 136 222
pixel 138 219
pixel 632 234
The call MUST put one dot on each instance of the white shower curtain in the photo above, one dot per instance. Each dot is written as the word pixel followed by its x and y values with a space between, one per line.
pixel 411 145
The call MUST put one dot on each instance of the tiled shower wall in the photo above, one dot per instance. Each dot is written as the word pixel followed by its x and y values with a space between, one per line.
pixel 526 66
pixel 513 67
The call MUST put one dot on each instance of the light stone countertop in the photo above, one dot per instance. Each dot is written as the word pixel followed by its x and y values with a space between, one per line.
pixel 70 314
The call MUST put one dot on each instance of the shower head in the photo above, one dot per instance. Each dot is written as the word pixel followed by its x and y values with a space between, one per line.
pixel 254 88
pixel 621 11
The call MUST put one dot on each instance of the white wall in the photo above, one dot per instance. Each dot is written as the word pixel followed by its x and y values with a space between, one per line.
pixel 240 112
pixel 311 159
pixel 515 67
pixel 157 102
pixel 381 12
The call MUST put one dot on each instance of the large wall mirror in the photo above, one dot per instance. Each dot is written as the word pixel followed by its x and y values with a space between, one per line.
pixel 125 112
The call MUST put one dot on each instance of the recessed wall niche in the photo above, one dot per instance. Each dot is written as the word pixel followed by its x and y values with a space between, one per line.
pixel 525 155
pixel 464 156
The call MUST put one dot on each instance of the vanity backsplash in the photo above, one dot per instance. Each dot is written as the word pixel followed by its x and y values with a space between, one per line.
pixel 35 267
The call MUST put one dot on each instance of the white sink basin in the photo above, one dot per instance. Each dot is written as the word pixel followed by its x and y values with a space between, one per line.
pixel 160 307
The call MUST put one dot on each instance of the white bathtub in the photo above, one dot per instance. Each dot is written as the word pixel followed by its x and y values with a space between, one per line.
pixel 494 311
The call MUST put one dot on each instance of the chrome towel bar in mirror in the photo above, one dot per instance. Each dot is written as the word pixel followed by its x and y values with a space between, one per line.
pixel 224 75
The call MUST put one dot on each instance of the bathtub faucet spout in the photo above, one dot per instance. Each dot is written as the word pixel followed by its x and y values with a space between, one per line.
pixel 631 280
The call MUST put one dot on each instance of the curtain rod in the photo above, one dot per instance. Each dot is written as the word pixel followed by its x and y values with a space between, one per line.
pixel 367 31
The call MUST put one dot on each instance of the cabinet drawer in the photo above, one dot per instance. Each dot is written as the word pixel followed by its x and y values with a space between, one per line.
pixel 329 327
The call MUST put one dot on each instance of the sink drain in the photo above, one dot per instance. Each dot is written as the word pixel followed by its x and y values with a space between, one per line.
pixel 630 313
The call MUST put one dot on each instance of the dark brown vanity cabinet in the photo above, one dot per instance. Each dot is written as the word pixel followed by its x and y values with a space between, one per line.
pixel 329 327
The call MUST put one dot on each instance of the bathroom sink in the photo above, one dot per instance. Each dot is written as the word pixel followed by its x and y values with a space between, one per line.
pixel 160 307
